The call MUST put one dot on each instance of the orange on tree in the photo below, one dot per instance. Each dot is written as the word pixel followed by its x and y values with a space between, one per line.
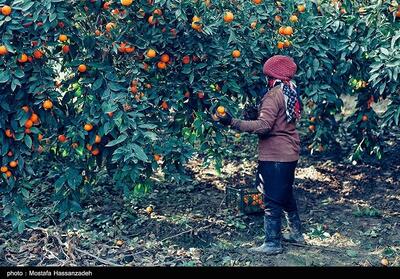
pixel 161 65
pixel 38 54
pixel 157 12
pixel 165 58
pixel 13 164
pixel 25 108
pixel 6 10
pixel 65 48
pixel 89 147
pixel 164 105
pixel 3 50
pixel 63 38
pixel 74 145
pixel 186 59
pixel 257 2
pixel 82 68
pixel 187 94
pixel 126 2
pixel 47 104
pixel 200 94
pixel 149 210
pixel 151 53
pixel 97 139
pixel 88 127
pixel 23 58
pixel 281 45
pixel 287 43
pixel 294 18
pixel 301 8
pixel 253 25
pixel 151 20
pixel 311 128
pixel 228 17
pixel 34 118
pixel 40 137
pixel 62 138
pixel 110 26
pixel 97 32
pixel 364 118
pixel 288 31
pixel 95 152
pixel 10 153
pixel 3 169
pixel 8 133
pixel 281 30
pixel 157 157
pixel 134 89
pixel 236 53
pixel 221 110
pixel 28 124
pixel 278 18
pixel 8 174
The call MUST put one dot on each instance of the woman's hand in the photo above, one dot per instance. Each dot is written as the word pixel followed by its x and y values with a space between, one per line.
pixel 225 119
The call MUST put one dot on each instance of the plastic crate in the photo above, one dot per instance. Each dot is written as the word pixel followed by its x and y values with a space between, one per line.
pixel 245 200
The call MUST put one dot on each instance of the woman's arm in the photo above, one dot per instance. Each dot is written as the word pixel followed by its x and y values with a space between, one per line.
pixel 266 119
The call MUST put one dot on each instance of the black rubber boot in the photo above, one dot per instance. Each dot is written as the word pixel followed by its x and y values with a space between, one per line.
pixel 294 225
pixel 272 244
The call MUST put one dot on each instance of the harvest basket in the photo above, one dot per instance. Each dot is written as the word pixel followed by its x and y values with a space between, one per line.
pixel 245 200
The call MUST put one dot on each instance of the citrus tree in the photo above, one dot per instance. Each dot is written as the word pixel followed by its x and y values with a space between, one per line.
pixel 127 87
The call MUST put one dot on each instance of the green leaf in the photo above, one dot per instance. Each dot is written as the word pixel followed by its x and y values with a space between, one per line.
pixel 97 84
pixel 120 139
pixel 28 141
pixel 4 76
pixel 139 153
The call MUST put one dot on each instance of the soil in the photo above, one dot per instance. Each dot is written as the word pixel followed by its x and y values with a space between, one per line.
pixel 349 213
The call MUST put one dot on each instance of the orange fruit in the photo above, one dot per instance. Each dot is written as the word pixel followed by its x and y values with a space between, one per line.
pixel 34 118
pixel 151 20
pixel 95 152
pixel 281 45
pixel 9 134
pixel 278 18
pixel 253 25
pixel 119 242
pixel 294 18
pixel 25 108
pixel 40 137
pixel 110 114
pixel 38 54
pixel 74 145
pixel 63 38
pixel 126 2
pixel 221 110
pixel 200 94
pixel 187 94
pixel 97 32
pixel 165 58
pixel 10 153
pixel 287 43
pixel 110 26
pixel 65 48
pixel 196 26
pixel 157 12
pixel 89 147
pixel 129 49
pixel 97 139
pixel 8 174
pixel 364 118
pixel 228 17
pixel 312 119
pixel 161 65
pixel 23 58
pixel 397 13
pixel 149 209
pixel 151 53
pixel 47 104
pixel 157 157
pixel 281 30
pixel 6 10
pixel 82 68
pixel 257 2
pixel 3 169
pixel 186 59
pixel 88 127
pixel 164 105
pixel 134 89
pixel 28 124
pixel 301 8
pixel 3 50
pixel 13 164
pixel 311 128
pixel 62 138
pixel 40 149
pixel 236 53
pixel 28 131
pixel 196 19
pixel 384 262
pixel 288 30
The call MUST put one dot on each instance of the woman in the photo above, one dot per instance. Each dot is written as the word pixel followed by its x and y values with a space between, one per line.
pixel 278 151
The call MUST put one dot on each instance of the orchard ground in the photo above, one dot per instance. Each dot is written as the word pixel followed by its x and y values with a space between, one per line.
pixel 350 215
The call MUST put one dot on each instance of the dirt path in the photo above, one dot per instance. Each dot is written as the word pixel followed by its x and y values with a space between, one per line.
pixel 350 215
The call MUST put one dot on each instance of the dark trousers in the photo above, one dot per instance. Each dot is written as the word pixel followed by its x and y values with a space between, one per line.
pixel 277 180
